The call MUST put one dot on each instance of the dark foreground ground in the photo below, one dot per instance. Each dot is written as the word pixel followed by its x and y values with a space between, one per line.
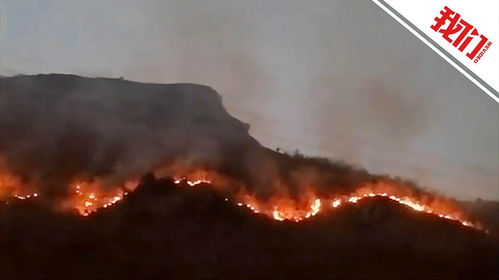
pixel 165 231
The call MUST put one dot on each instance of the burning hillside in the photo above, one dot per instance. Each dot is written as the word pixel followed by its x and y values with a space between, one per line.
pixel 171 230
pixel 82 143
pixel 71 144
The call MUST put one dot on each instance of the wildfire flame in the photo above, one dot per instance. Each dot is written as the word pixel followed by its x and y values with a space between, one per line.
pixel 88 198
pixel 281 208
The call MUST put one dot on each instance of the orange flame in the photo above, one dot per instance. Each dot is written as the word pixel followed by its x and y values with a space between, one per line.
pixel 88 198
pixel 287 209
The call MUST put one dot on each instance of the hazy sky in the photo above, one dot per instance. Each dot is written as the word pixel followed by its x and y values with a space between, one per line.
pixel 340 79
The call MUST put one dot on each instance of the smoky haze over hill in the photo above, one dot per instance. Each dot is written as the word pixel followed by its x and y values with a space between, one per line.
pixel 340 79
pixel 59 129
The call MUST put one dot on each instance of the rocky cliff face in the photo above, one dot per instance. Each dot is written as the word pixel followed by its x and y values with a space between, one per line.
pixel 56 128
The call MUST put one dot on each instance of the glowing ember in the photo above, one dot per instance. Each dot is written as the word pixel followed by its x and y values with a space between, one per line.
pixel 336 203
pixel 286 211
pixel 191 183
pixel 277 216
pixel 26 196
pixel 88 198
pixel 316 207
pixel 354 199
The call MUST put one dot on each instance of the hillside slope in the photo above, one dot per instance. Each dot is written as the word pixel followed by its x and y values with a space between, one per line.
pixel 169 231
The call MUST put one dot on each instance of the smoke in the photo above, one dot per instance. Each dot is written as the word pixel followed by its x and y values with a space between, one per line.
pixel 60 130
pixel 56 130
pixel 339 80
